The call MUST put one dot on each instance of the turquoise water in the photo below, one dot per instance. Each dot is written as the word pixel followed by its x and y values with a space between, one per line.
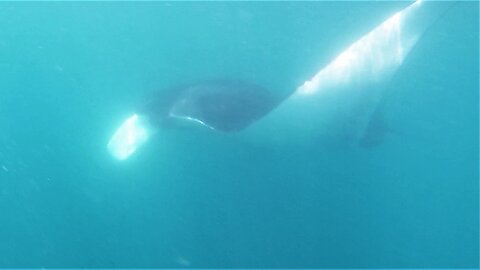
pixel 71 72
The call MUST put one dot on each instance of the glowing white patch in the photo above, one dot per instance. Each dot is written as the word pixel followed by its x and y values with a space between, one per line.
pixel 134 132
pixel 183 261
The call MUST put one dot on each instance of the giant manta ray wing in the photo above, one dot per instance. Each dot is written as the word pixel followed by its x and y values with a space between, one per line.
pixel 347 91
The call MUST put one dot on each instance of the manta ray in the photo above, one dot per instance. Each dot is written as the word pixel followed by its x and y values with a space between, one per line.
pixel 341 98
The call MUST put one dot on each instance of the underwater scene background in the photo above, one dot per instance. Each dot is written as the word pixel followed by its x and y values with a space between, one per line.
pixel 70 72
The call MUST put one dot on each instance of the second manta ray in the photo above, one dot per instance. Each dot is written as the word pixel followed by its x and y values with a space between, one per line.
pixel 344 93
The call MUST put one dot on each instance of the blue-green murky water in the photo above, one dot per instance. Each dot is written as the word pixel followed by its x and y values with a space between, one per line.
pixel 71 72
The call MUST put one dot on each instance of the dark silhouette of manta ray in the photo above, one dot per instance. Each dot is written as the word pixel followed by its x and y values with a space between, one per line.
pixel 341 100
pixel 222 105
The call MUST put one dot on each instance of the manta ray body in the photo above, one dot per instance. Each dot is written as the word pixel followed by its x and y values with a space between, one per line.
pixel 343 95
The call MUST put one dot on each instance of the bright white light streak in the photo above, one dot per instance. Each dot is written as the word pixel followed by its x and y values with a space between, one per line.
pixel 370 58
pixel 191 119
